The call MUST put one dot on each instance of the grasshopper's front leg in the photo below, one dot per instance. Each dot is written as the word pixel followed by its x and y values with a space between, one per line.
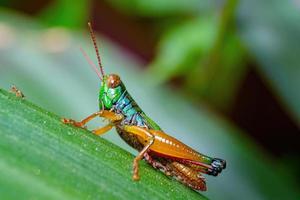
pixel 149 139
pixel 111 116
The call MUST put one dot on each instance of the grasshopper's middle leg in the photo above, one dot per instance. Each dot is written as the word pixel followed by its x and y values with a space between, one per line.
pixel 149 139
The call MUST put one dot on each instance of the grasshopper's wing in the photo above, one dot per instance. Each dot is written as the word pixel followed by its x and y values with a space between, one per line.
pixel 170 147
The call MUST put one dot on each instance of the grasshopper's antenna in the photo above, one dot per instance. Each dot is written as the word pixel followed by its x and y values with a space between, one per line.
pixel 96 48
pixel 94 67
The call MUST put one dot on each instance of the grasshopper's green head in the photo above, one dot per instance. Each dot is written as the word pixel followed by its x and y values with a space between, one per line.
pixel 110 91
pixel 111 85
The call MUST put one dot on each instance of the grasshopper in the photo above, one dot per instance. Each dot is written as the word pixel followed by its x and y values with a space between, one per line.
pixel 163 152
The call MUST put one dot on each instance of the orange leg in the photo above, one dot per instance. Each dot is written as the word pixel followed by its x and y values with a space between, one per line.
pixel 148 138
pixel 102 130
pixel 188 176
pixel 103 113
pixel 82 123
pixel 111 116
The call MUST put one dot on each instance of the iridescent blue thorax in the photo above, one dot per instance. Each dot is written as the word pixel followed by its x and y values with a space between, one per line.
pixel 126 106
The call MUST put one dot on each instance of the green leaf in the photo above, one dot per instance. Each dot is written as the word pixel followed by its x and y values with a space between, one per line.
pixel 43 158
pixel 271 32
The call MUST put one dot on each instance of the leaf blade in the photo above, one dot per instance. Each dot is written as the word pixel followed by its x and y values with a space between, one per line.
pixel 55 160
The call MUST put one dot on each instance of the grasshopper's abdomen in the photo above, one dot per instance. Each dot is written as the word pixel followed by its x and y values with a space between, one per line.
pixel 130 139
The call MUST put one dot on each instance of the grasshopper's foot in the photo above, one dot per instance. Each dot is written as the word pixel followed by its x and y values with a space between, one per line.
pixel 135 175
pixel 73 122
pixel 217 166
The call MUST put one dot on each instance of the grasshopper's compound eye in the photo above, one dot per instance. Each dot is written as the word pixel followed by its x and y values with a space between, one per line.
pixel 113 81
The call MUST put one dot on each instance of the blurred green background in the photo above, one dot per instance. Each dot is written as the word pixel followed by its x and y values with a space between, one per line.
pixel 222 76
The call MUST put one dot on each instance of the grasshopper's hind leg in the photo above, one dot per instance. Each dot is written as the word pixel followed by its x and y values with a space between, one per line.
pixel 217 166
pixel 188 176
pixel 214 168
pixel 138 158
pixel 149 139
